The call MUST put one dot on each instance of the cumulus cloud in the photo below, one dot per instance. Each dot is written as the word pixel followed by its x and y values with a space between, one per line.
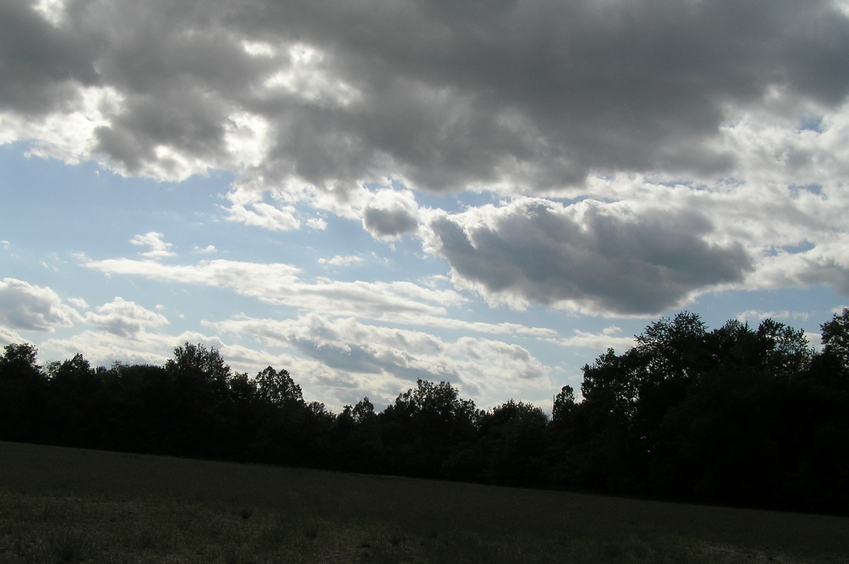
pixel 390 358
pixel 390 214
pixel 26 307
pixel 78 303
pixel 123 318
pixel 535 95
pixel 43 65
pixel 738 110
pixel 588 256
pixel 158 247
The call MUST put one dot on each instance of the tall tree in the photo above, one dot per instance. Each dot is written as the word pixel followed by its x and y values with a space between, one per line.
pixel 23 387
pixel 425 426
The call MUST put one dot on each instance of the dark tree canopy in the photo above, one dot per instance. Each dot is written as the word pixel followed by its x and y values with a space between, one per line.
pixel 835 338
pixel 737 415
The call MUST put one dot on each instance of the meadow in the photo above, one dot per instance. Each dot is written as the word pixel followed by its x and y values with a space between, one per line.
pixel 74 505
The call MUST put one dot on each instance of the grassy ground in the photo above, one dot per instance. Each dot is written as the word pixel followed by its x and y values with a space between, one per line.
pixel 69 505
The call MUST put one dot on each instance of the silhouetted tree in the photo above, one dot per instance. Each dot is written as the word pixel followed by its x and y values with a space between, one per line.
pixel 199 388
pixel 277 388
pixel 424 427
pixel 736 415
pixel 23 390
pixel 356 434
pixel 514 442
pixel 77 411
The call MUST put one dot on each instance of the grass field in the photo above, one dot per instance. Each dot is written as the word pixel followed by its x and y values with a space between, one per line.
pixel 70 505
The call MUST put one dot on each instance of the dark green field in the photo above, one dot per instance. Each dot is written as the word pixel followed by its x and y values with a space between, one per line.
pixel 67 505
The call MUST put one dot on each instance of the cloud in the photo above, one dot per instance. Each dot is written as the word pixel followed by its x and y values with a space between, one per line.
pixel 158 247
pixel 823 261
pixel 390 214
pixel 758 316
pixel 515 95
pixel 340 260
pixel 125 319
pixel 267 281
pixel 32 308
pixel 589 257
pixel 390 358
pixel 736 110
pixel 102 348
pixel 43 65
pixel 266 216
pixel 601 341
pixel 279 284
pixel 8 337
pixel 78 303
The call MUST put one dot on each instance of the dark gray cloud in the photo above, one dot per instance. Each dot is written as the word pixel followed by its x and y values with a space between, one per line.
pixel 390 214
pixel 352 357
pixel 540 252
pixel 563 88
pixel 532 94
pixel 41 66
pixel 389 223
pixel 826 272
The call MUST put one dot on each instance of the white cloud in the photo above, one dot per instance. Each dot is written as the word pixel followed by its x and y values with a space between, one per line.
pixel 756 316
pixel 8 337
pixel 53 11
pixel 102 348
pixel 389 359
pixel 78 303
pixel 601 341
pixel 266 281
pixel 33 308
pixel 265 216
pixel 340 260
pixel 317 223
pixel 125 319
pixel 158 247
pixel 308 78
pixel 279 284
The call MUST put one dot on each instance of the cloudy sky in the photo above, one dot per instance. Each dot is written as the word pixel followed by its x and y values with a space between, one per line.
pixel 367 192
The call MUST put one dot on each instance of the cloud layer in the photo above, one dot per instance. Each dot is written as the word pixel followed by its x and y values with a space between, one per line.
pixel 534 95
pixel 647 151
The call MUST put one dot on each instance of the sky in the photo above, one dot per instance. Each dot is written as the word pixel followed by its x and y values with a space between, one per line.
pixel 364 193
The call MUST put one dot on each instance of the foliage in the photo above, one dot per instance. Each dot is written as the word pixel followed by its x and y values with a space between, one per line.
pixel 734 415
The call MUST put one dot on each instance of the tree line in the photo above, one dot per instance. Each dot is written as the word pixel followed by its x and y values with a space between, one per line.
pixel 735 415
